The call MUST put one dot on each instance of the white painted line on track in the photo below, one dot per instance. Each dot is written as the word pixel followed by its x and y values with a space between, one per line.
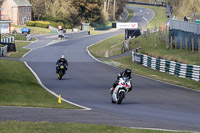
pixel 158 129
pixel 53 93
pixel 26 53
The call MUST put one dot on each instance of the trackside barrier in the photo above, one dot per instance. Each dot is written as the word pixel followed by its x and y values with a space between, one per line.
pixel 3 50
pixel 171 67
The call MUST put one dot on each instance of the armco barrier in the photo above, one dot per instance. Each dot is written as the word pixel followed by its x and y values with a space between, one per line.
pixel 171 67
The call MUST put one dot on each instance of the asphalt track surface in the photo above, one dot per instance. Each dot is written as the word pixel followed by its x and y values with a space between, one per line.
pixel 151 103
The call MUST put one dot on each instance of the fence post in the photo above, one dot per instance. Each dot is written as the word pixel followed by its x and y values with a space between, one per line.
pixel 186 43
pixel 180 43
pixel 192 44
pixel 175 43
pixel 199 46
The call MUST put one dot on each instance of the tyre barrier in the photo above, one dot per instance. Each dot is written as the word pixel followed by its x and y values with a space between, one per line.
pixel 8 40
pixel 170 67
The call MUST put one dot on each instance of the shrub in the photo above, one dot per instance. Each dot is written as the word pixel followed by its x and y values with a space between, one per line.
pixel 30 23
pixel 56 24
pixel 42 24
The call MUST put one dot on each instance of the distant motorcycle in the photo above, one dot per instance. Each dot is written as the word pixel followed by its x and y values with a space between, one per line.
pixel 120 90
pixel 61 68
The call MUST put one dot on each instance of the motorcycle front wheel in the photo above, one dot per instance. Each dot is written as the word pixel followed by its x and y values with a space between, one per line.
pixel 60 75
pixel 121 97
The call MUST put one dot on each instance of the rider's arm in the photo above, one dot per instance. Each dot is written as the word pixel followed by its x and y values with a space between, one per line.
pixel 119 76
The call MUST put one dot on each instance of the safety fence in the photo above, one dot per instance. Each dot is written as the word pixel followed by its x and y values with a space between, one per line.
pixel 3 50
pixel 171 67
pixel 185 26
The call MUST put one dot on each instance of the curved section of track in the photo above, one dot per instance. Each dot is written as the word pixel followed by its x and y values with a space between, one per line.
pixel 151 103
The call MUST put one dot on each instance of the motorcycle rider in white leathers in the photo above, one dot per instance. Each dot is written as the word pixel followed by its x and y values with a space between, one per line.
pixel 126 73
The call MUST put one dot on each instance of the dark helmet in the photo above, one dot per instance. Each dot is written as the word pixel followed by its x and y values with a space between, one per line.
pixel 128 71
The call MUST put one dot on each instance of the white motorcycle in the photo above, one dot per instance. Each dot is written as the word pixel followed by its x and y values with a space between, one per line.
pixel 120 90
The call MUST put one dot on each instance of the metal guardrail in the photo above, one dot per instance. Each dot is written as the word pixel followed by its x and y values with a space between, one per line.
pixel 184 26
pixel 171 67
pixel 3 50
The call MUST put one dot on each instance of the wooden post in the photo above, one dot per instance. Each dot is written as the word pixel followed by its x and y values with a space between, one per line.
pixel 192 44
pixel 175 43
pixel 186 44
pixel 199 47
pixel 180 43
pixel 171 42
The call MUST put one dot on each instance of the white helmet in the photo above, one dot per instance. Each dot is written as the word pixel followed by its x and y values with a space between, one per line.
pixel 62 56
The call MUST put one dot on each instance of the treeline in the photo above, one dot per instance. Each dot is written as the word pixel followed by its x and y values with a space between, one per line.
pixel 74 12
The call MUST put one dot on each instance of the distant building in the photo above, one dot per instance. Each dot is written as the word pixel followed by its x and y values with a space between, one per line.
pixel 17 11
pixel 5 25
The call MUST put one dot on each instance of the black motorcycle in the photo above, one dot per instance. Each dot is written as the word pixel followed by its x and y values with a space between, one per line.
pixel 61 68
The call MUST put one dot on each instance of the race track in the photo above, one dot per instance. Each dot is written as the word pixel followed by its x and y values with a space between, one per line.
pixel 151 103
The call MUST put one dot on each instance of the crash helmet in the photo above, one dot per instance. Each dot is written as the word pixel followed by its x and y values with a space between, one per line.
pixel 62 57
pixel 127 72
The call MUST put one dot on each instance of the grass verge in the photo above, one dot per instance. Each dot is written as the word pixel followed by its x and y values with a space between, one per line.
pixel 20 88
pixel 108 47
pixel 43 127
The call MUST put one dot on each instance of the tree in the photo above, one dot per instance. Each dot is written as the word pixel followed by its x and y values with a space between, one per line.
pixel 88 10
pixel 38 8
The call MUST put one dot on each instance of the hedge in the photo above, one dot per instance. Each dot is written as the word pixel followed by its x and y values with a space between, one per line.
pixel 30 23
pixel 41 24
pixel 45 24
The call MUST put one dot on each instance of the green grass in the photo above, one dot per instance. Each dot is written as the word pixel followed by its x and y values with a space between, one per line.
pixel 20 88
pixel 47 127
pixel 130 16
pixel 113 44
pixel 20 51
pixel 18 37
pixel 34 30
pixel 161 16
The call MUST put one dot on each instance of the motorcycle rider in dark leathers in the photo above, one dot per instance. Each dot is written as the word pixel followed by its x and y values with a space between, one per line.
pixel 63 60
pixel 126 73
